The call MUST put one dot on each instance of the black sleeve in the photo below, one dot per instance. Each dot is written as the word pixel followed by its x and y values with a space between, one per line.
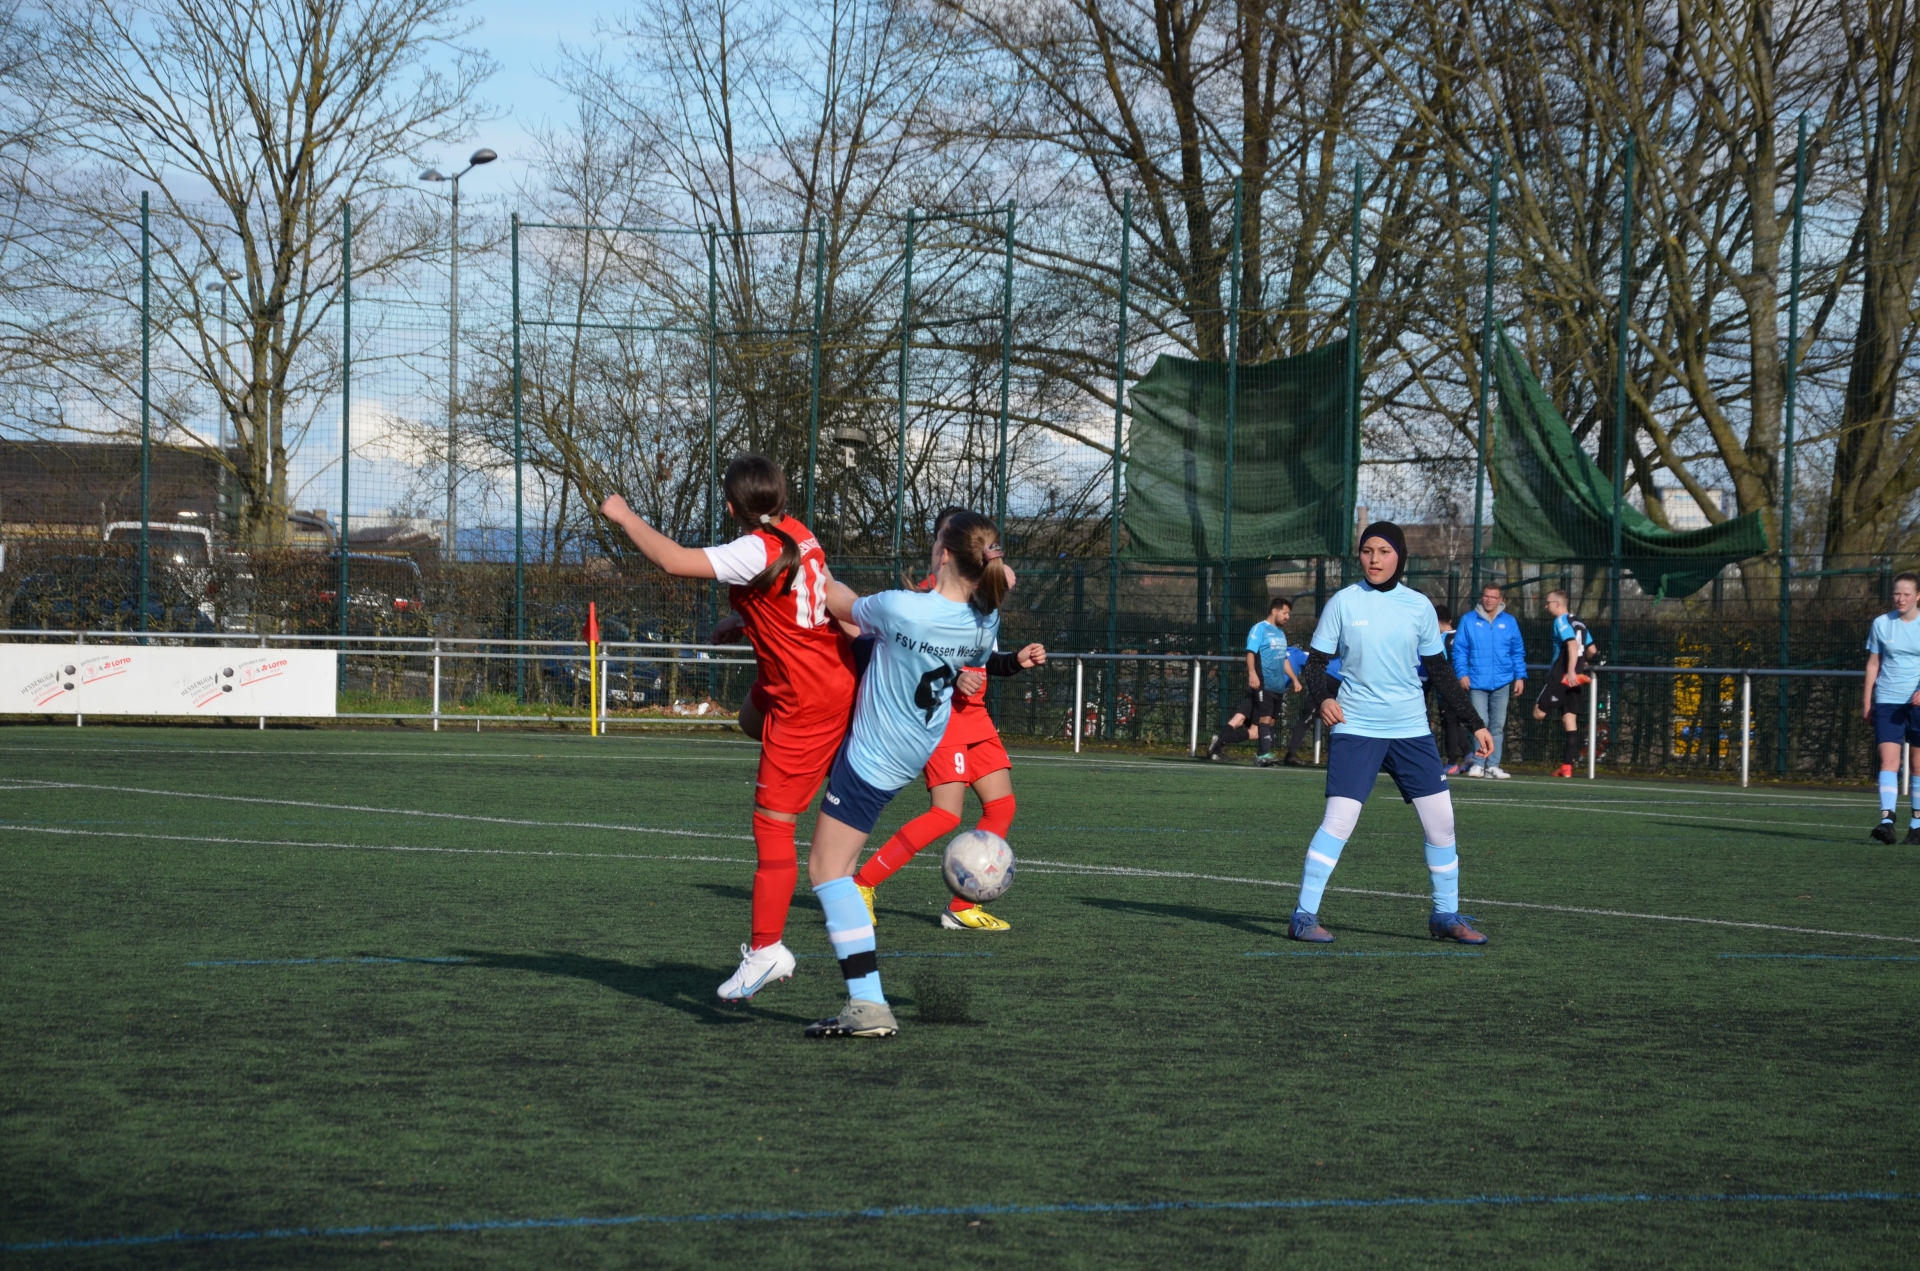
pixel 999 663
pixel 1447 684
pixel 1314 676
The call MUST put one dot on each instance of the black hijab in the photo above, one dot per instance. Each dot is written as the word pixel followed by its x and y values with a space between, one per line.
pixel 1393 536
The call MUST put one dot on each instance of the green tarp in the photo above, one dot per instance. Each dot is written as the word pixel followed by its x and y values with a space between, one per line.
pixel 1290 459
pixel 1551 502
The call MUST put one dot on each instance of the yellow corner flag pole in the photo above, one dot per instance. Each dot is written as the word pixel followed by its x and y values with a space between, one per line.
pixel 593 670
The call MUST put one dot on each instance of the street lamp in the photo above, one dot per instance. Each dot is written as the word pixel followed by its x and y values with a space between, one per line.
pixel 474 160
pixel 223 286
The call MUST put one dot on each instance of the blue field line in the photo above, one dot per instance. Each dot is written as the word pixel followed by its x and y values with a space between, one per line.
pixel 967 1211
pixel 1819 957
pixel 904 955
pixel 315 961
pixel 1366 953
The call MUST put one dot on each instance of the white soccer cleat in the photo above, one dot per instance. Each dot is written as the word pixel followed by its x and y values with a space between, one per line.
pixel 1498 773
pixel 758 968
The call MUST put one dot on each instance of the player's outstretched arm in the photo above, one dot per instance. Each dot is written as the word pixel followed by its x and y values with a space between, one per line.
pixel 840 598
pixel 681 562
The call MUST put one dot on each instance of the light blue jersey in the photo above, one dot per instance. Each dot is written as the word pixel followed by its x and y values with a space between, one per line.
pixel 1270 642
pixel 1898 644
pixel 921 641
pixel 1380 637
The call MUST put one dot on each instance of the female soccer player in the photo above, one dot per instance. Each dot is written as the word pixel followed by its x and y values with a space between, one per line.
pixel 777 581
pixel 970 754
pixel 1382 633
pixel 922 642
pixel 1891 702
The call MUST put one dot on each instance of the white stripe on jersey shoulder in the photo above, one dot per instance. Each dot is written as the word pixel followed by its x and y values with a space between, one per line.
pixel 740 562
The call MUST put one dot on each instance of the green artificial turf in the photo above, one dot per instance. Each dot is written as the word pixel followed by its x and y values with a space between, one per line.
pixel 1118 1047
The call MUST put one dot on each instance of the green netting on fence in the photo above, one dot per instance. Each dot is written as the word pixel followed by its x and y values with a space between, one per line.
pixel 1552 503
pixel 1292 460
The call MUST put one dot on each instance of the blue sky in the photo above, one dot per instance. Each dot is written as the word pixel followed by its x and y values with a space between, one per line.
pixel 525 39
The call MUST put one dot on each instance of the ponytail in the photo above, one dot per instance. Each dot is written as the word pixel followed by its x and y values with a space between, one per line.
pixel 974 544
pixel 757 489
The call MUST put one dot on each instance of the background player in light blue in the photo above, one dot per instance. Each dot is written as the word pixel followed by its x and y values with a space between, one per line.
pixel 1383 633
pixel 921 641
pixel 1892 699
pixel 1269 672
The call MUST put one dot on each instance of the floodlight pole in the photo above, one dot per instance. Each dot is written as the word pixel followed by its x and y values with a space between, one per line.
pixel 1233 393
pixel 1119 419
pixel 1486 370
pixel 900 447
pixel 346 417
pixel 1786 476
pixel 1620 398
pixel 519 511
pixel 813 399
pixel 146 394
pixel 1006 373
pixel 474 160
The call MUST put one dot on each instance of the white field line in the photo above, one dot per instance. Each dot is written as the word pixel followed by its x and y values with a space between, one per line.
pixel 355 807
pixel 556 753
pixel 29 784
pixel 360 847
pixel 1031 866
pixel 1538 782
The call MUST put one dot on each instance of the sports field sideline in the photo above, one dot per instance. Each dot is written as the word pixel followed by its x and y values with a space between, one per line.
pixel 305 998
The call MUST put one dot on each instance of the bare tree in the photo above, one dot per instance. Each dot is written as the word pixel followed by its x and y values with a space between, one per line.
pixel 255 122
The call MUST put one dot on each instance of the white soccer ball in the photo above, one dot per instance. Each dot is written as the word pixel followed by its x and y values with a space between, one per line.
pixel 978 866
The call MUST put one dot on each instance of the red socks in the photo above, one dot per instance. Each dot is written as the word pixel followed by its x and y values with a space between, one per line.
pixel 996 817
pixel 773 878
pixel 900 849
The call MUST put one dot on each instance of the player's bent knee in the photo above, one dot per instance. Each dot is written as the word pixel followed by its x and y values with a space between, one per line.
pixel 1436 817
pixel 1341 816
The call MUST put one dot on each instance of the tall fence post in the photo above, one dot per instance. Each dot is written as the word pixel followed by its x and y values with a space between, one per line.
pixel 1486 372
pixel 1193 714
pixel 346 421
pixel 900 442
pixel 146 395
pixel 1351 473
pixel 813 394
pixel 519 486
pixel 713 403
pixel 1109 691
pixel 1006 377
pixel 1620 398
pixel 1782 734
pixel 1233 394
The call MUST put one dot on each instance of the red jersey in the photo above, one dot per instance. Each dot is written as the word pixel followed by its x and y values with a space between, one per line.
pixel 805 668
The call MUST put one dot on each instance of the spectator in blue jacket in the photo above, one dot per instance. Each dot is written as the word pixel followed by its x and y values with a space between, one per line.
pixel 1491 660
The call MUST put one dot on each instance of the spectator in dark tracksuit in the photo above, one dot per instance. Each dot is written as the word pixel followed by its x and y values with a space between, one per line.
pixel 1455 740
pixel 1491 660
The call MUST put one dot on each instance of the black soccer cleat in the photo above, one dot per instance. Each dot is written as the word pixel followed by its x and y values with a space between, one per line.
pixel 1913 836
pixel 1214 748
pixel 1883 832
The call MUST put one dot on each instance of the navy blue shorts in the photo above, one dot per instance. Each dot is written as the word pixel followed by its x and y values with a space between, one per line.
pixel 1896 722
pixel 1413 762
pixel 849 799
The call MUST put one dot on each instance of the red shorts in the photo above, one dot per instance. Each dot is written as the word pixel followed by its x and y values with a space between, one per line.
pixel 795 756
pixel 968 761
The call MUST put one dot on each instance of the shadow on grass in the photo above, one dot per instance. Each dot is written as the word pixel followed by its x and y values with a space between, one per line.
pixel 802 895
pixel 682 986
pixel 1191 913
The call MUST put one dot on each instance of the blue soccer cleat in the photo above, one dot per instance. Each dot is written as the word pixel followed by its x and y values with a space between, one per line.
pixel 1454 927
pixel 1306 926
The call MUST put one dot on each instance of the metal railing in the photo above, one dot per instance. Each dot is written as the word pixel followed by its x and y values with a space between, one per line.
pixel 1118 715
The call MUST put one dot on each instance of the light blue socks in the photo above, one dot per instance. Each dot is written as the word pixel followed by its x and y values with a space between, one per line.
pixel 851 932
pixel 1889 791
pixel 1322 855
pixel 1443 866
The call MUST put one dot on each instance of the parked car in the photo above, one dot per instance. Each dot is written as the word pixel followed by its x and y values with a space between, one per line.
pixel 102 593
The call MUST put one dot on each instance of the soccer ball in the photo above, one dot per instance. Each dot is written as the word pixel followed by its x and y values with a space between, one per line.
pixel 978 866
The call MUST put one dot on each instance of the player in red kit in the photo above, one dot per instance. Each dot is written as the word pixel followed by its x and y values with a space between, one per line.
pixel 970 754
pixel 776 578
